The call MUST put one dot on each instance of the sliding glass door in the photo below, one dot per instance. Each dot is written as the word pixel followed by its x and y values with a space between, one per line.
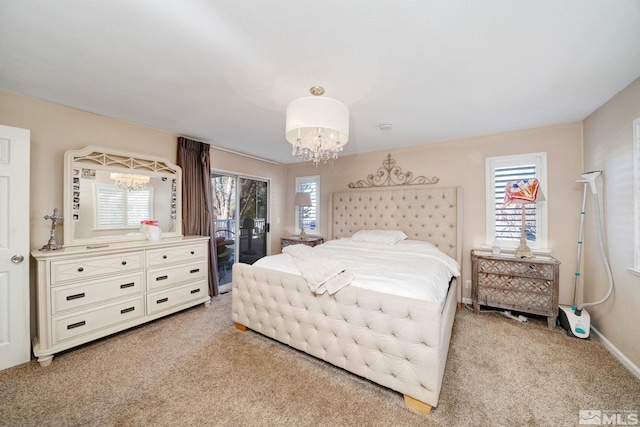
pixel 224 211
pixel 241 220
pixel 252 214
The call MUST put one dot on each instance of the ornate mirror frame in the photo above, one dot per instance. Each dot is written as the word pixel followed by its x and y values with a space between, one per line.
pixel 84 169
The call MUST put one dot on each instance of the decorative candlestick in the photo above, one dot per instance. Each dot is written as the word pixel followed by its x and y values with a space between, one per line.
pixel 52 245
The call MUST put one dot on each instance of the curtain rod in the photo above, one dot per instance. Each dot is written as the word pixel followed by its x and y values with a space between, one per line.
pixel 238 153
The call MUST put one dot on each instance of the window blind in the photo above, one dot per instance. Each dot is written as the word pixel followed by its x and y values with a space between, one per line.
pixel 308 215
pixel 119 208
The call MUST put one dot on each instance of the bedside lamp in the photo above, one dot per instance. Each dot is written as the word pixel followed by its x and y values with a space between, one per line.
pixel 301 200
pixel 523 192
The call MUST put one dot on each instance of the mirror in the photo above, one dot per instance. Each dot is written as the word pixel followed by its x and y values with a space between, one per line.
pixel 108 193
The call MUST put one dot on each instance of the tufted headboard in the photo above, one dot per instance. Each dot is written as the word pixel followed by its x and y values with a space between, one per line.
pixel 430 214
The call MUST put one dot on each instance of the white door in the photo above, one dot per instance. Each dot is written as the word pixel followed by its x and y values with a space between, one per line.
pixel 15 347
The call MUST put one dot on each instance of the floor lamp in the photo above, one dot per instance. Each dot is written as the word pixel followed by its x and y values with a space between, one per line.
pixel 301 200
pixel 523 192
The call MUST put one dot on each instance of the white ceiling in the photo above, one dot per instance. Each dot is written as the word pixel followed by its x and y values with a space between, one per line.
pixel 223 71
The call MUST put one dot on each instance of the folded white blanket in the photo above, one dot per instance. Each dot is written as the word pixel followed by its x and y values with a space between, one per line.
pixel 322 273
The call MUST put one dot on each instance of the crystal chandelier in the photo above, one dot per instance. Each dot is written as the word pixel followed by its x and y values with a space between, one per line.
pixel 130 182
pixel 317 128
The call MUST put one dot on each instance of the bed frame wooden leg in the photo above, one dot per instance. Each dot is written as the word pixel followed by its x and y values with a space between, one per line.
pixel 241 327
pixel 417 405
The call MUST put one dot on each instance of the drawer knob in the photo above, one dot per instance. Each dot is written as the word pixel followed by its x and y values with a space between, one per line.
pixel 192 252
pixel 160 301
pixel 195 270
pixel 127 310
pixel 195 291
pixel 124 262
pixel 161 278
pixel 127 285
pixel 80 269
pixel 164 257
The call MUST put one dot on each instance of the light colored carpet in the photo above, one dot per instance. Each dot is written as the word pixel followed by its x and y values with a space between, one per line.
pixel 195 369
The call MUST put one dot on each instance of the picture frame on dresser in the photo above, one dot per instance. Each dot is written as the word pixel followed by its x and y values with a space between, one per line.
pixel 107 280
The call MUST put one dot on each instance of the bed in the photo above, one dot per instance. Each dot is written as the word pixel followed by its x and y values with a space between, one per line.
pixel 396 341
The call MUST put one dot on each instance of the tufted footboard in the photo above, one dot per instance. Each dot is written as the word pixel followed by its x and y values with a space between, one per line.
pixel 397 342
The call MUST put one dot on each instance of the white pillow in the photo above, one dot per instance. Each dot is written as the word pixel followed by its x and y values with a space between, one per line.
pixel 387 237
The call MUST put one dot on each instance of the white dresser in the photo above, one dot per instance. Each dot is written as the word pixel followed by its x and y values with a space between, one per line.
pixel 88 292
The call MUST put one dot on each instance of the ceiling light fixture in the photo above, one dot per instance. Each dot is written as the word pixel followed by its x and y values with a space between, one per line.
pixel 317 128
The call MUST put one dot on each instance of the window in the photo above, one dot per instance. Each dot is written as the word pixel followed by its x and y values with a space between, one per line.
pixel 309 216
pixel 504 224
pixel 119 208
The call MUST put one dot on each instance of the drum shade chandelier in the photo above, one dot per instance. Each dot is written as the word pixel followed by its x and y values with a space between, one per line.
pixel 317 127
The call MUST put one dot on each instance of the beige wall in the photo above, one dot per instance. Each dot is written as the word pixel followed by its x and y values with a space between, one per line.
pixel 462 162
pixel 608 146
pixel 56 129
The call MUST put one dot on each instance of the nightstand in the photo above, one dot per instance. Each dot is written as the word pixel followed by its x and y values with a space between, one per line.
pixel 295 240
pixel 529 285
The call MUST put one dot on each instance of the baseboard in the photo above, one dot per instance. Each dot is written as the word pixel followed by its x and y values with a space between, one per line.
pixel 467 301
pixel 617 353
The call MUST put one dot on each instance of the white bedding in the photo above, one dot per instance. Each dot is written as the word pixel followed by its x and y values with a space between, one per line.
pixel 410 268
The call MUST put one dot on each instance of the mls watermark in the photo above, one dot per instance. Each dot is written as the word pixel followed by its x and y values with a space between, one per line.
pixel 598 417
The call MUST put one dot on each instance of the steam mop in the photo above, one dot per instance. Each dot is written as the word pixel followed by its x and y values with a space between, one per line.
pixel 575 319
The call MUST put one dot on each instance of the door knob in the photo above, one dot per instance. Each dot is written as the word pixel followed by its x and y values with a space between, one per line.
pixel 17 259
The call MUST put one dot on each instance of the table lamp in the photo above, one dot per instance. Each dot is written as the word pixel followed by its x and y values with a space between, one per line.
pixel 301 200
pixel 523 191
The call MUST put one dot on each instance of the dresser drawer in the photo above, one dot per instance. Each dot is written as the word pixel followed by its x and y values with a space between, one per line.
pixel 518 300
pixel 516 283
pixel 90 267
pixel 169 276
pixel 528 269
pixel 71 326
pixel 159 257
pixel 69 297
pixel 164 300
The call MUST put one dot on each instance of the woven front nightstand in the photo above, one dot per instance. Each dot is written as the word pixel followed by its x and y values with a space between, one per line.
pixel 295 240
pixel 529 285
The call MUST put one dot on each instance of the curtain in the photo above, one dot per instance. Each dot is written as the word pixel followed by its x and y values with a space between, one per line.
pixel 197 199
